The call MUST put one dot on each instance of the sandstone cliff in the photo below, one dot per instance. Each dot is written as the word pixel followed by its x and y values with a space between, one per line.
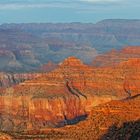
pixel 114 57
pixel 66 95
pixel 51 100
pixel 113 120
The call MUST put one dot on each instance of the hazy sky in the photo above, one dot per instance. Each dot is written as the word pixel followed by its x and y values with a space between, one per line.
pixel 17 11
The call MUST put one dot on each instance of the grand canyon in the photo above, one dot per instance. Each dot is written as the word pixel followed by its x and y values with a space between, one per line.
pixel 70 81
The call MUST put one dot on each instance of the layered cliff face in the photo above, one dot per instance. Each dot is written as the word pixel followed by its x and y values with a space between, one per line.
pixel 31 45
pixel 66 95
pixel 61 97
pixel 120 80
pixel 23 51
pixel 7 79
pixel 114 57
pixel 7 58
pixel 113 120
pixel 123 66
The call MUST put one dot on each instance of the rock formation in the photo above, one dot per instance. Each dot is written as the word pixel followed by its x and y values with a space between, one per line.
pixel 8 79
pixel 51 100
pixel 66 95
pixel 31 45
pixel 114 57
pixel 113 120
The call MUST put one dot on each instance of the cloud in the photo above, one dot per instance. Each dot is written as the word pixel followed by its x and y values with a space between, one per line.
pixel 29 4
pixel 99 1
pixel 21 6
pixel 17 6
pixel 73 4
pixel 24 4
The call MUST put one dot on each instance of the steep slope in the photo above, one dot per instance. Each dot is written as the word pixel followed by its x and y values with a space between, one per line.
pixel 66 95
pixel 7 79
pixel 109 121
pixel 58 98
pixel 112 120
pixel 114 57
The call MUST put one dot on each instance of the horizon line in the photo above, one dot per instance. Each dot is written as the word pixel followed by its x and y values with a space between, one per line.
pixel 72 22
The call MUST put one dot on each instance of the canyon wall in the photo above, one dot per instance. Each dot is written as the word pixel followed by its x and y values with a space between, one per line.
pixel 66 95
pixel 9 79
pixel 114 56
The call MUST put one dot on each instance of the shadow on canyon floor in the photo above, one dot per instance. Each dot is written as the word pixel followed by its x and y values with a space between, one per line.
pixel 39 134
pixel 72 121
pixel 128 131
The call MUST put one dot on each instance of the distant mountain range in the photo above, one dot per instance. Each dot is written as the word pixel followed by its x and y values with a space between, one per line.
pixel 26 47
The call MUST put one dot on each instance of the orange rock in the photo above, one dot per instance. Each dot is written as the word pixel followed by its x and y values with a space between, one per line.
pixel 116 56
pixel 64 95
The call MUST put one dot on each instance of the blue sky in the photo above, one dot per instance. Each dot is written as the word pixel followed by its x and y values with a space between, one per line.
pixel 25 11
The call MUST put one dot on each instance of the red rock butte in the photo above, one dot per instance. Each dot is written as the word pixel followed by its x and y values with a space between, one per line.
pixel 71 62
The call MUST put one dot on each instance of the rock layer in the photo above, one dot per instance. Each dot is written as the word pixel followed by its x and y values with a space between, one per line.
pixel 7 79
pixel 66 95
pixel 113 120
pixel 114 57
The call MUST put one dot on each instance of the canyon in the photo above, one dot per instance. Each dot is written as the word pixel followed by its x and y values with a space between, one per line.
pixel 72 100
pixel 69 70
pixel 26 47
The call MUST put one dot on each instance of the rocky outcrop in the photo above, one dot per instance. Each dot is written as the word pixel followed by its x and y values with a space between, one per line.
pixel 114 57
pixel 52 100
pixel 66 95
pixel 7 79
pixel 113 120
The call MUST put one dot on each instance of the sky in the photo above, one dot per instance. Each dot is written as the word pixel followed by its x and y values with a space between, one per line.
pixel 89 11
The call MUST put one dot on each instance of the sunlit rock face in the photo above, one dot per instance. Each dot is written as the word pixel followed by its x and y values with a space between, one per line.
pixel 65 95
pixel 51 100
pixel 132 76
pixel 114 57
pixel 113 120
